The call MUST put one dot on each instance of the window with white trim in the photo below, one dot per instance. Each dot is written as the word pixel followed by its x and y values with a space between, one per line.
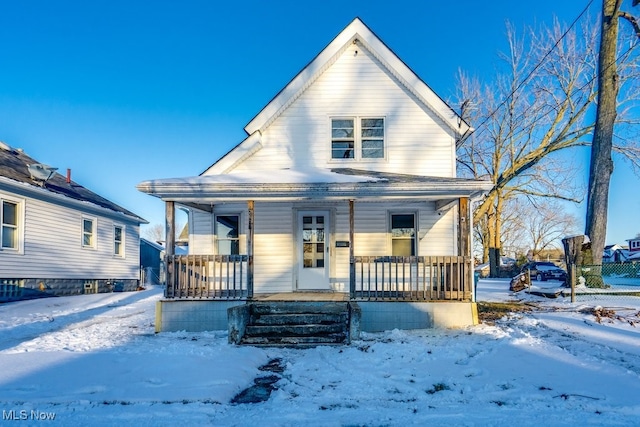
pixel 11 220
pixel 403 234
pixel 118 241
pixel 89 232
pixel 358 138
pixel 227 229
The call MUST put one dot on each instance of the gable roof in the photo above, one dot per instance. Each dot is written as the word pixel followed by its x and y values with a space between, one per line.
pixel 356 32
pixel 14 167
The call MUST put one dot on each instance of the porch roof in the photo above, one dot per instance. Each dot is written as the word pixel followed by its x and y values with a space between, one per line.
pixel 310 183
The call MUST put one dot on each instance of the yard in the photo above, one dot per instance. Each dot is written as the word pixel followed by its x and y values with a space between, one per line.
pixel 94 359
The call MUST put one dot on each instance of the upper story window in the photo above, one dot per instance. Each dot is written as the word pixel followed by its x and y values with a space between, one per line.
pixel 118 241
pixel 11 230
pixel 228 234
pixel 88 232
pixel 357 138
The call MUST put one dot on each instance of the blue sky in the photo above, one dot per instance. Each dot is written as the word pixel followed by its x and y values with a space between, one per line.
pixel 125 91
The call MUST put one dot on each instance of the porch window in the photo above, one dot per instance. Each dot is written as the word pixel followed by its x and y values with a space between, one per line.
pixel 10 225
pixel 228 234
pixel 118 241
pixel 403 234
pixel 88 232
pixel 342 139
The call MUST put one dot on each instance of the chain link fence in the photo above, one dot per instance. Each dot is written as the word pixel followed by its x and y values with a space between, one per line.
pixel 609 283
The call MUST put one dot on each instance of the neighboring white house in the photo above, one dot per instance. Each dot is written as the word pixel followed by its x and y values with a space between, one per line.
pixel 59 238
pixel 345 184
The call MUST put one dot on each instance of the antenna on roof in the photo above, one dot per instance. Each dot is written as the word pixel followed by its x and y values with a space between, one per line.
pixel 41 173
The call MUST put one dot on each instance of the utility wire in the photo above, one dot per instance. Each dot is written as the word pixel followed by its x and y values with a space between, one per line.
pixel 538 65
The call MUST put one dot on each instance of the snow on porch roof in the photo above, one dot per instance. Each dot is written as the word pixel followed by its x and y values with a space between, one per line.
pixel 310 183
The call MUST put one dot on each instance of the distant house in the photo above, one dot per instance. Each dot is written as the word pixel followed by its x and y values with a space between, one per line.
pixel 615 254
pixel 59 238
pixel 634 244
pixel 151 261
pixel 345 188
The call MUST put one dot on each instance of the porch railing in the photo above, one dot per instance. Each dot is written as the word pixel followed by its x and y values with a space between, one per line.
pixel 209 277
pixel 415 278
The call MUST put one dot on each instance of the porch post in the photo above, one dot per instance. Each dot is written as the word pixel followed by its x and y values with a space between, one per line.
pixel 464 241
pixel 250 206
pixel 352 263
pixel 170 243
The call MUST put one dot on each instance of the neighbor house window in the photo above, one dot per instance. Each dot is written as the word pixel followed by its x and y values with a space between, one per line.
pixel 357 138
pixel 403 234
pixel 88 232
pixel 227 234
pixel 10 218
pixel 118 240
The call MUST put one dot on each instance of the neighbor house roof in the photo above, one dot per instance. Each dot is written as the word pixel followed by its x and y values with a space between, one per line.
pixel 14 171
pixel 356 32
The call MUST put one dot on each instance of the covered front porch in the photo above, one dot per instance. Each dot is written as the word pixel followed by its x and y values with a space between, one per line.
pixel 390 243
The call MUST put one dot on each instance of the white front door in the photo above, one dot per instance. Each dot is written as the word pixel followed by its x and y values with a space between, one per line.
pixel 313 250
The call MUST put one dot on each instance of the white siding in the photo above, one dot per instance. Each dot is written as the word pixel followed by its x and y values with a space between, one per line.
pixel 201 241
pixel 274 247
pixel 275 267
pixel 53 246
pixel 357 85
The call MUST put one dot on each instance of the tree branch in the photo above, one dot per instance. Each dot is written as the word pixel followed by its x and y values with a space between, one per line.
pixel 631 19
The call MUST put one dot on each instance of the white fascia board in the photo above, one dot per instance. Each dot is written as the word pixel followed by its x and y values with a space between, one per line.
pixel 28 190
pixel 357 30
pixel 237 155
pixel 215 192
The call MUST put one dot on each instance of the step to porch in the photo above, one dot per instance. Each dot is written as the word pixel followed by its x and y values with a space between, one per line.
pixel 296 324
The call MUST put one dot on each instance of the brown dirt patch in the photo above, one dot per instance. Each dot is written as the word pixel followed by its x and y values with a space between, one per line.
pixel 489 312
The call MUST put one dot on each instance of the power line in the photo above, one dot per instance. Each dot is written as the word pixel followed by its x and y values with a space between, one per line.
pixel 538 65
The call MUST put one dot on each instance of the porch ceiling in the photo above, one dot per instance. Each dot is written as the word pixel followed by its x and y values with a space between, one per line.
pixel 334 184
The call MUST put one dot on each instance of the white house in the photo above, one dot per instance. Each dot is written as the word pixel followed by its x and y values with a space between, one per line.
pixel 344 187
pixel 59 238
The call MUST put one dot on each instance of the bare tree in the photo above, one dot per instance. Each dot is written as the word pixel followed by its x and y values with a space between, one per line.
pixel 534 109
pixel 538 107
pixel 601 166
pixel 546 225
pixel 154 232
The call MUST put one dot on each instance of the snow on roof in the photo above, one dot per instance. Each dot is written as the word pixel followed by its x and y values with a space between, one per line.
pixel 277 176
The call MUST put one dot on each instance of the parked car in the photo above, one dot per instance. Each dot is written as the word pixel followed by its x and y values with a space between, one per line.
pixel 544 270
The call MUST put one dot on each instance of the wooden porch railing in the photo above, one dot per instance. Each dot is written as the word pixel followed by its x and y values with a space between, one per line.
pixel 415 278
pixel 209 277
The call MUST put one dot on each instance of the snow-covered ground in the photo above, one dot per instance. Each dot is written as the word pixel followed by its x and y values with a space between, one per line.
pixel 95 360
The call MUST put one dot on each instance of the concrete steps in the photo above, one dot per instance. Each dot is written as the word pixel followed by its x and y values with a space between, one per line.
pixel 296 324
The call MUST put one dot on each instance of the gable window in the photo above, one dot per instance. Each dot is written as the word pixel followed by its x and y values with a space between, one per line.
pixel 357 138
pixel 372 132
pixel 118 241
pixel 10 219
pixel 88 232
pixel 403 234
pixel 227 234
pixel 342 139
